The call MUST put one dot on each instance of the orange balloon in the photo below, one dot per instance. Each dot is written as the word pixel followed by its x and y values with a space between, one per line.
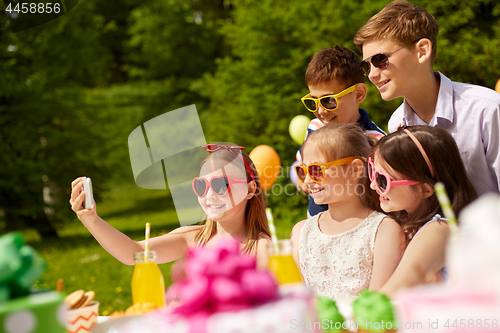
pixel 497 86
pixel 268 165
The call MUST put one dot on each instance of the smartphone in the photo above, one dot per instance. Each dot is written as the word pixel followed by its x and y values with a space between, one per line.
pixel 89 196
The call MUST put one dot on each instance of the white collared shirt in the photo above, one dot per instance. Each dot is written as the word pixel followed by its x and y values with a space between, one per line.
pixel 471 114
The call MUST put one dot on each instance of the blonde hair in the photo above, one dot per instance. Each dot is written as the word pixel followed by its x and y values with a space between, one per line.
pixel 402 21
pixel 337 141
pixel 255 214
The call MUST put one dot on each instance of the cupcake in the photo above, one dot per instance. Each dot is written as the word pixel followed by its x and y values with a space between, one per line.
pixel 329 317
pixel 373 312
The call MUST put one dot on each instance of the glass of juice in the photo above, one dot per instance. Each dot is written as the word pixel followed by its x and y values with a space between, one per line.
pixel 147 281
pixel 281 262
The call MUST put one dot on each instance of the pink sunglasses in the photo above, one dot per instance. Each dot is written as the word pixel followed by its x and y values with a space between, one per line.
pixel 219 184
pixel 383 181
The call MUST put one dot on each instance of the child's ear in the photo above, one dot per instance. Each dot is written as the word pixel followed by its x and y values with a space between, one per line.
pixel 361 92
pixel 424 50
pixel 252 189
pixel 357 169
pixel 426 190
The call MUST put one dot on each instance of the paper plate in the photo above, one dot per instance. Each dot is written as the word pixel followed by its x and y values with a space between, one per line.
pixel 113 325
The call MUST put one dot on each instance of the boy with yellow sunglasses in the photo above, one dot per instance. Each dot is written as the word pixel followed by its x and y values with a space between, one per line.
pixel 336 88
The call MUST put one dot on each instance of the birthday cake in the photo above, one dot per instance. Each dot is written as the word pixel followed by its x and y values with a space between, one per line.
pixel 329 316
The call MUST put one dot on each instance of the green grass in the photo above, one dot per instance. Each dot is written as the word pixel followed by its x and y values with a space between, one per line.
pixel 82 263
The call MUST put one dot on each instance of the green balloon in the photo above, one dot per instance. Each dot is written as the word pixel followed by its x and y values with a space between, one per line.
pixel 298 128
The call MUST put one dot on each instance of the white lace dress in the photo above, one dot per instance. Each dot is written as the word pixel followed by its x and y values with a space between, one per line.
pixel 338 266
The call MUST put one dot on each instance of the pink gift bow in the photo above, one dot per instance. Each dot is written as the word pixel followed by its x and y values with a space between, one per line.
pixel 218 279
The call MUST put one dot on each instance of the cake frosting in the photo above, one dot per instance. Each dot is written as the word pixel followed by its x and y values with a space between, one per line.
pixel 373 312
pixel 329 316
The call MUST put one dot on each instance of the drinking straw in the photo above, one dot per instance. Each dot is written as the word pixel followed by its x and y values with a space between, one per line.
pixel 146 247
pixel 60 285
pixel 444 201
pixel 272 229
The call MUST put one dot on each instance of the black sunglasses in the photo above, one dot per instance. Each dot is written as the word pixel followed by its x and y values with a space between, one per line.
pixel 380 60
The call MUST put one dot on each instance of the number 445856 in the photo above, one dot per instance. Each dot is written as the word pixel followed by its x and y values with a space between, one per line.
pixel 27 7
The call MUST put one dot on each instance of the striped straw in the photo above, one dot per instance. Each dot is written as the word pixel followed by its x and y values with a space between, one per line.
pixel 444 201
pixel 272 229
pixel 146 247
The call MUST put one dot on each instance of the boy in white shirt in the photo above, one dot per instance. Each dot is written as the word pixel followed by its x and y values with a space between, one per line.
pixel 399 48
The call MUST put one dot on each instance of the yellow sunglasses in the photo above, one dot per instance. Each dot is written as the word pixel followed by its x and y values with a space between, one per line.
pixel 317 170
pixel 329 102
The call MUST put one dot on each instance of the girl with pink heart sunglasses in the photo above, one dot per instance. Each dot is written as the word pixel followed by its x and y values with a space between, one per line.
pixel 403 168
pixel 228 189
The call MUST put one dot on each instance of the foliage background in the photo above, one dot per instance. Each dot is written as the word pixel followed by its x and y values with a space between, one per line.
pixel 73 89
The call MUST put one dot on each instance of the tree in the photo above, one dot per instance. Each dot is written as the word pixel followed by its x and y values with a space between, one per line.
pixel 75 87
pixel 469 35
pixel 45 131
pixel 172 44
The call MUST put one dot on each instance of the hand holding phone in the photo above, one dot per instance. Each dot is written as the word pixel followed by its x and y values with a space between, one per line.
pixel 89 196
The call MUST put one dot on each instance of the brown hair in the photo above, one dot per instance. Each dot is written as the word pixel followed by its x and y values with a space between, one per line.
pixel 398 151
pixel 337 141
pixel 255 214
pixel 335 63
pixel 402 21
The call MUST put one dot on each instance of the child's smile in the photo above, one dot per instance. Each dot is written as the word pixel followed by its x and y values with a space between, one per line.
pixel 315 190
pixel 392 80
pixel 383 199
pixel 347 110
pixel 216 205
pixel 382 85
pixel 398 198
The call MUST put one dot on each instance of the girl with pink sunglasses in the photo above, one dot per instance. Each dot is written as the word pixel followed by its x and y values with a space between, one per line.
pixel 351 246
pixel 228 190
pixel 403 168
